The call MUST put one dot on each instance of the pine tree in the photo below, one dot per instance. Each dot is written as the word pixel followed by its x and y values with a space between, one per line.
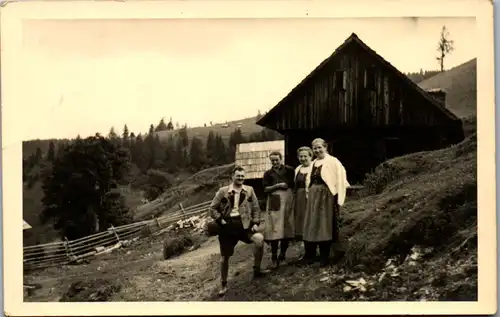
pixel 220 151
pixel 161 126
pixel 138 154
pixel 179 154
pixel 158 153
pixel 183 136
pixel 210 148
pixel 112 134
pixel 51 153
pixel 170 125
pixel 235 138
pixel 78 191
pixel 126 137
pixel 149 149
pixel 170 155
pixel 37 157
pixel 196 154
pixel 131 138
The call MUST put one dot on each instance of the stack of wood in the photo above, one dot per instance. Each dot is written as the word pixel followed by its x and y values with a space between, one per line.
pixel 195 222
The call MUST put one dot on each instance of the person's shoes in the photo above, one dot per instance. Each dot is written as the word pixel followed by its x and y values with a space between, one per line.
pixel 258 273
pixel 324 262
pixel 223 291
pixel 281 259
pixel 338 256
pixel 305 260
pixel 274 262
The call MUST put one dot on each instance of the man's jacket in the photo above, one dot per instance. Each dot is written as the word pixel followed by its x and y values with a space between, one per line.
pixel 249 209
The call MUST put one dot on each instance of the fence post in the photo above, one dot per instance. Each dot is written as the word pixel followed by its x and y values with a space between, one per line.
pixel 157 222
pixel 116 234
pixel 67 247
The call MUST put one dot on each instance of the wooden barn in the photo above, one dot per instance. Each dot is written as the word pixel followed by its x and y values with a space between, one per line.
pixel 254 158
pixel 366 109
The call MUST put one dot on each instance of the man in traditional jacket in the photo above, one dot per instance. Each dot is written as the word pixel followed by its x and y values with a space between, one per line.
pixel 235 209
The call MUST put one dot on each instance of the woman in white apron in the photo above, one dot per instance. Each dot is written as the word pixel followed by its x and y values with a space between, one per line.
pixel 326 191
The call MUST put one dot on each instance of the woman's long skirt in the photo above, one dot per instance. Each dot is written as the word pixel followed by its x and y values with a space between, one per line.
pixel 321 217
pixel 279 216
pixel 300 211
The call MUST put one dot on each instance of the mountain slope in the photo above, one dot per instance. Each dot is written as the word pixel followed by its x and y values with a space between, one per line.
pixel 247 126
pixel 459 83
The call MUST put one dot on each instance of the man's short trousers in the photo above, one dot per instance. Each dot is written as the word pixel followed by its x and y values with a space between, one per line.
pixel 231 233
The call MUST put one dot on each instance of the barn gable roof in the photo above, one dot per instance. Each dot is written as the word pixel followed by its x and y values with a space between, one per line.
pixel 254 157
pixel 353 38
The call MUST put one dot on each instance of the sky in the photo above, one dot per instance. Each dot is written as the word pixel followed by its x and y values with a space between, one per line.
pixel 197 70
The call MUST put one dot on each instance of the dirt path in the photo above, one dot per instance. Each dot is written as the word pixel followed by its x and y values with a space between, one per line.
pixel 144 276
pixel 190 276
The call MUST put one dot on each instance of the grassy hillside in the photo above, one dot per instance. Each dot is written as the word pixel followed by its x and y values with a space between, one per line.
pixel 196 189
pixel 460 86
pixel 248 126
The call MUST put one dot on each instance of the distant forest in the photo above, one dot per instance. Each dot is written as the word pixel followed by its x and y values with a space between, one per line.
pixel 174 154
pixel 422 75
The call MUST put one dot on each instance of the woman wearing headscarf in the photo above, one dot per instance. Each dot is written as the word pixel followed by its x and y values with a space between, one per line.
pixel 305 156
pixel 326 191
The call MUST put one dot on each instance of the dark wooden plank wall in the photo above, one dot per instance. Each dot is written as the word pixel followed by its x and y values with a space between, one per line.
pixel 360 153
pixel 391 102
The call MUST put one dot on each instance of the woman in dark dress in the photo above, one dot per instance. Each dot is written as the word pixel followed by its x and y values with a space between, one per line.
pixel 305 158
pixel 326 191
pixel 279 216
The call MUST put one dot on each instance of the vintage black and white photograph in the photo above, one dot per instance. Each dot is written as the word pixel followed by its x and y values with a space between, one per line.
pixel 256 159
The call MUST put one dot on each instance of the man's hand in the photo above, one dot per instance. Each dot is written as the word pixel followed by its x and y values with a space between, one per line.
pixel 255 228
pixel 223 222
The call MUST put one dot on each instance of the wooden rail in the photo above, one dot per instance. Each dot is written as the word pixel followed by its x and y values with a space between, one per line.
pixel 64 252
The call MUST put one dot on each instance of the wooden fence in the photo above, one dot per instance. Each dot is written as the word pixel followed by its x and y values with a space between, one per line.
pixel 64 252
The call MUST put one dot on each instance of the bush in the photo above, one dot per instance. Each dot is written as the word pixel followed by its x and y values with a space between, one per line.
pixel 176 245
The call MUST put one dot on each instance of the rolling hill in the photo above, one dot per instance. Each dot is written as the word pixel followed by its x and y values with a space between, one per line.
pixel 459 83
pixel 247 127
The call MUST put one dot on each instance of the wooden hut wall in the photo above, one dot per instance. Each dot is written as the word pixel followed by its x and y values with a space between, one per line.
pixel 358 154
